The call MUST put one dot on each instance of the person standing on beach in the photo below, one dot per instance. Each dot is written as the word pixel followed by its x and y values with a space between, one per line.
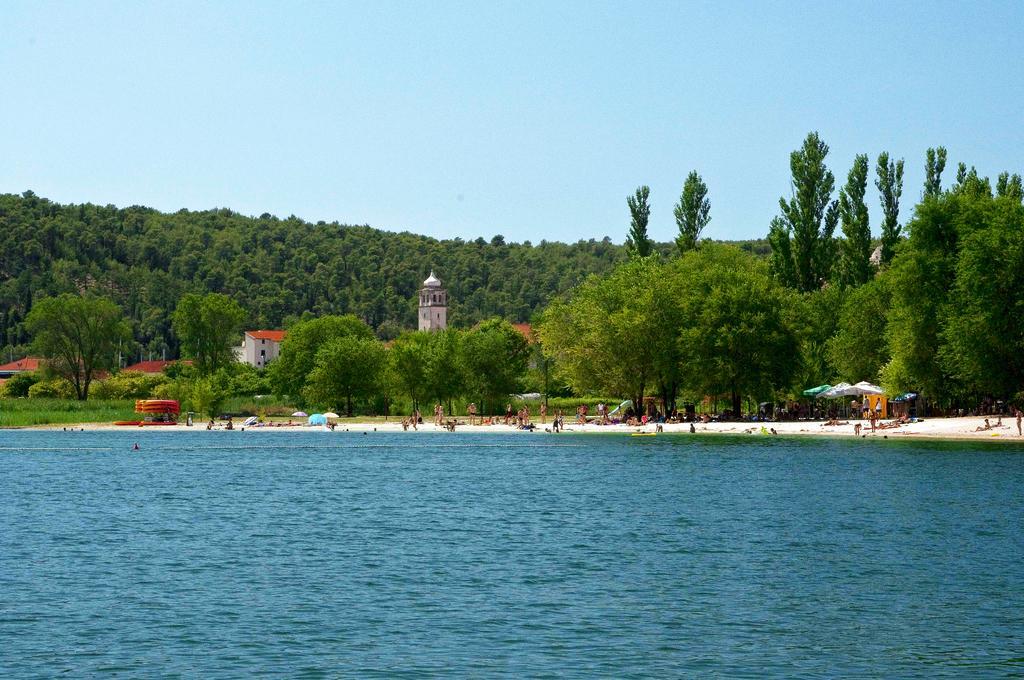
pixel 543 412
pixel 1018 423
pixel 471 412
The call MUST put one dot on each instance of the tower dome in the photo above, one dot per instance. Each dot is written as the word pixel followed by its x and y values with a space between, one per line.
pixel 432 281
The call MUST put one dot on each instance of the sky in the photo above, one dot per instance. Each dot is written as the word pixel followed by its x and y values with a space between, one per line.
pixel 530 120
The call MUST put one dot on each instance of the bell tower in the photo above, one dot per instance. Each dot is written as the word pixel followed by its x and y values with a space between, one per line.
pixel 433 305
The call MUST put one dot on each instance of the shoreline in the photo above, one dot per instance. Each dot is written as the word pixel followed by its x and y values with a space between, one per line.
pixel 943 429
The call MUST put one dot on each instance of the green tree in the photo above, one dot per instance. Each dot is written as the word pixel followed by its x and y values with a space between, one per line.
pixel 920 279
pixel 1010 186
pixel 859 350
pixel 638 243
pixel 982 339
pixel 617 334
pixel 693 212
pixel 79 336
pixel 445 375
pixel 208 327
pixel 890 188
pixel 935 163
pixel 208 395
pixel 780 260
pixel 815 317
pixel 346 368
pixel 738 340
pixel 494 356
pixel 409 358
pixel 288 373
pixel 855 249
pixel 969 183
pixel 808 219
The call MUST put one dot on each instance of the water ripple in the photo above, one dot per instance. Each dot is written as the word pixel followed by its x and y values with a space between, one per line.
pixel 399 554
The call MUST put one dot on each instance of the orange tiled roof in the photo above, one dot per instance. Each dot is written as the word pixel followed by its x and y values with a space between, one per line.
pixel 154 366
pixel 276 336
pixel 26 364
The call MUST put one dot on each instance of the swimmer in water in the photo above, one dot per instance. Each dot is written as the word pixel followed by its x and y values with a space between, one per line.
pixel 136 447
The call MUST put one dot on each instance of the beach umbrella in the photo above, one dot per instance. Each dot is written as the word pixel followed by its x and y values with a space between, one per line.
pixel 906 396
pixel 300 414
pixel 815 391
pixel 331 414
pixel 318 419
pixel 840 390
pixel 251 421
pixel 864 387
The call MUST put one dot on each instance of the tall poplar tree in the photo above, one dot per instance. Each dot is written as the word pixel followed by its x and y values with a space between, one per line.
pixel 934 164
pixel 890 188
pixel 808 219
pixel 855 261
pixel 1008 185
pixel 638 244
pixel 693 212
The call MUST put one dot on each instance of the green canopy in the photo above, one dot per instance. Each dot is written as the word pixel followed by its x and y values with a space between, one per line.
pixel 815 391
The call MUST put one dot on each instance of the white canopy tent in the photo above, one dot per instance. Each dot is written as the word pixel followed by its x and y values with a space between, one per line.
pixel 847 390
pixel 867 388
pixel 840 390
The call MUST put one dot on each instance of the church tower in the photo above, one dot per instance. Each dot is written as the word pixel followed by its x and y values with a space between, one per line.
pixel 433 305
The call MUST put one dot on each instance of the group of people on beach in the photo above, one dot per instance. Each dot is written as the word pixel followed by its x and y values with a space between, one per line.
pixel 999 423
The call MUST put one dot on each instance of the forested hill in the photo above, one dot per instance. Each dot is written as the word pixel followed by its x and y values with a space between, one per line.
pixel 277 269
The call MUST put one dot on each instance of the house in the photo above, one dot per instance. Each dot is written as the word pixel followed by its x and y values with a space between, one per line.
pixel 153 367
pixel 260 347
pixel 20 366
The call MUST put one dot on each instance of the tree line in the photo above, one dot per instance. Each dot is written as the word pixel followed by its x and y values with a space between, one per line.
pixel 281 270
pixel 935 308
pixel 330 362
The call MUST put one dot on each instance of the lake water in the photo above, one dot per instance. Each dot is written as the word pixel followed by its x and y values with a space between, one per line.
pixel 223 554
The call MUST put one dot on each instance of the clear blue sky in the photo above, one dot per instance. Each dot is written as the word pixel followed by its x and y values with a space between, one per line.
pixel 532 120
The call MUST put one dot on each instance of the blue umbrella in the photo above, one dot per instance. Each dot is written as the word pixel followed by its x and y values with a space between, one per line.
pixel 318 419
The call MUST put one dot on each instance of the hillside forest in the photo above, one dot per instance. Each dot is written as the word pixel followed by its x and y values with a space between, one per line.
pixel 933 305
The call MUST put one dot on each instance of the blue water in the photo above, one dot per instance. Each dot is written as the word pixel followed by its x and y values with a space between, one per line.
pixel 228 554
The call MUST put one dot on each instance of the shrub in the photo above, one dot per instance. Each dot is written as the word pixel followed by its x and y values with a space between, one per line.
pixel 20 383
pixel 247 381
pixel 53 389
pixel 129 385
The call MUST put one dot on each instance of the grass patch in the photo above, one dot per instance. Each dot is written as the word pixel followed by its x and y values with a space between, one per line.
pixel 27 412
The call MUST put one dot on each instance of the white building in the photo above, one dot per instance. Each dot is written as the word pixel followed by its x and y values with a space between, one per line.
pixel 260 347
pixel 433 305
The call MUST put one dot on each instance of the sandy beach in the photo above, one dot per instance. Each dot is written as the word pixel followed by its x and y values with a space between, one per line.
pixel 930 428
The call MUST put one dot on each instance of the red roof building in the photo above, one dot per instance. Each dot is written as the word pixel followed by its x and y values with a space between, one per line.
pixel 276 336
pixel 154 366
pixel 260 347
pixel 20 366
